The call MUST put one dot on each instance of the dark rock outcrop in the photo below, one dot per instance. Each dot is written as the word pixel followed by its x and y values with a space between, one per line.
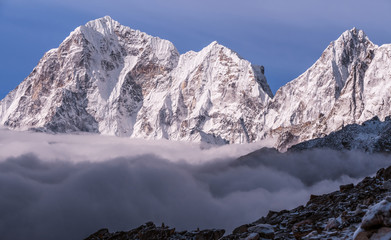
pixel 150 231
pixel 371 136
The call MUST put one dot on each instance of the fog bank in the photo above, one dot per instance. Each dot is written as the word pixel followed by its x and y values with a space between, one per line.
pixel 67 187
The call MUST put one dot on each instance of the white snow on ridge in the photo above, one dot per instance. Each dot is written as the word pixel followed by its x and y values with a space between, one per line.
pixel 348 84
pixel 110 79
pixel 107 78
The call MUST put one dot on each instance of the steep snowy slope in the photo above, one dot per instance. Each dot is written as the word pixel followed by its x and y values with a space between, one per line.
pixel 348 84
pixel 85 84
pixel 213 93
pixel 110 79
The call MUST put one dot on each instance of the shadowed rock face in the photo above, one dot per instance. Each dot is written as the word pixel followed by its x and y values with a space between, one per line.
pixel 372 136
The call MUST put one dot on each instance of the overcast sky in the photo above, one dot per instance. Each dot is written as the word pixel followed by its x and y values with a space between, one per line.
pixel 286 37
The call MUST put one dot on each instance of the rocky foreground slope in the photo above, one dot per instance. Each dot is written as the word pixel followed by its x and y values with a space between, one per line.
pixel 109 79
pixel 359 212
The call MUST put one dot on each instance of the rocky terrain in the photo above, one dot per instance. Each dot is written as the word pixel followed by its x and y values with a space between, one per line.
pixel 150 231
pixel 372 136
pixel 358 212
pixel 110 79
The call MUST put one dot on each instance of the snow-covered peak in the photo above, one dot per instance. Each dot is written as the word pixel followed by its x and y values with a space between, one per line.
pixel 106 31
pixel 352 46
pixel 328 95
pixel 162 47
pixel 114 80
pixel 355 35
pixel 212 47
pixel 215 47
pixel 214 43
pixel 104 25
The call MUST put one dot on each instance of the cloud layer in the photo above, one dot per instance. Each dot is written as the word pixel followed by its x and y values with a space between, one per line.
pixel 67 187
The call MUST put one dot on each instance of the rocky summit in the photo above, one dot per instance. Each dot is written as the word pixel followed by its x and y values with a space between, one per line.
pixel 359 212
pixel 110 79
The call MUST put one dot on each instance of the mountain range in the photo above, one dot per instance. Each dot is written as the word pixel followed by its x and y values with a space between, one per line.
pixel 110 79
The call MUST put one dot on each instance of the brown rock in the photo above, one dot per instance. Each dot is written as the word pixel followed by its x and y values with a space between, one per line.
pixel 264 230
pixel 332 224
pixel 302 228
pixel 253 236
pixel 361 236
pixel 313 197
pixel 387 174
pixel 271 214
pixel 345 188
pixel 368 201
pixel 156 234
pixel 373 222
pixel 382 233
pixel 100 234
pixel 240 229
pixel 209 235
pixel 377 216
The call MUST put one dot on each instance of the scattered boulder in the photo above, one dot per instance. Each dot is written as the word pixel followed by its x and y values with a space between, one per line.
pixel 376 224
pixel 263 230
pixel 241 229
pixel 253 236
pixel 332 223
pixel 377 216
pixel 345 188
pixel 386 173
pixel 100 234
pixel 149 231
pixel 382 233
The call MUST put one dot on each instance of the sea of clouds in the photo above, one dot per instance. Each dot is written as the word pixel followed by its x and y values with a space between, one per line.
pixel 69 186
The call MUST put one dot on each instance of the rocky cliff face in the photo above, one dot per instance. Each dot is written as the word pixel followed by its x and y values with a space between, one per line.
pixel 110 79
